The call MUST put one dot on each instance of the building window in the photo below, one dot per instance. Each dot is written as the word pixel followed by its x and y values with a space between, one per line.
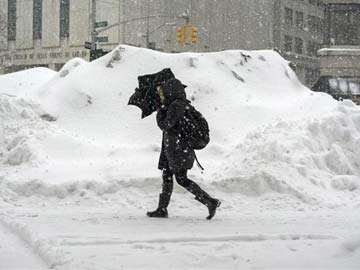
pixel 288 16
pixel 37 19
pixel 64 18
pixel 312 48
pixel 11 20
pixel 288 43
pixel 315 24
pixel 299 43
pixel 299 20
pixel 345 27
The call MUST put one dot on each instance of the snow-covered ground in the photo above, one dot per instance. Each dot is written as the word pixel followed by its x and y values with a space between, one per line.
pixel 16 254
pixel 79 168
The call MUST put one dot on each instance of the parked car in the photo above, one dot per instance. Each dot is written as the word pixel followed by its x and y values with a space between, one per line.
pixel 340 87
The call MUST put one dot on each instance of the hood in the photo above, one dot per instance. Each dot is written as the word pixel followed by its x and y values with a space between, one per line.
pixel 173 89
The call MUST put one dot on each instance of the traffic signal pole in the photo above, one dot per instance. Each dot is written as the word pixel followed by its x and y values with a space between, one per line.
pixel 93 25
pixel 183 31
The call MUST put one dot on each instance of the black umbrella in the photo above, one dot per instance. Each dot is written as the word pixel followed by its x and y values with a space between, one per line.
pixel 145 96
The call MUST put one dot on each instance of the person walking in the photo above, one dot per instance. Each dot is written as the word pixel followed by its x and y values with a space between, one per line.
pixel 177 155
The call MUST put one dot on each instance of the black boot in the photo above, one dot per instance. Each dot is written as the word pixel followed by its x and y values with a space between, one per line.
pixel 161 211
pixel 204 198
pixel 211 204
pixel 164 197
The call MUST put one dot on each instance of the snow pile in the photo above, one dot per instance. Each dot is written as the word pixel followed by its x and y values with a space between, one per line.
pixel 307 158
pixel 352 245
pixel 19 121
pixel 269 133
pixel 20 116
pixel 24 82
pixel 52 256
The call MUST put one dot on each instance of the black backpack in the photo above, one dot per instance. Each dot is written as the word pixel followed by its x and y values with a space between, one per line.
pixel 195 128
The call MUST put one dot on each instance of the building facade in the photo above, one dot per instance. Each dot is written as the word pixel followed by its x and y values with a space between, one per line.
pixel 299 33
pixel 341 55
pixel 340 59
pixel 50 32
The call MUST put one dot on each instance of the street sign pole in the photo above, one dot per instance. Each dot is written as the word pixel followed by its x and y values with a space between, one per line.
pixel 93 25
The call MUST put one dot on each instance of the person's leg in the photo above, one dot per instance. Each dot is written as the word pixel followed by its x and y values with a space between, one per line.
pixel 164 196
pixel 200 195
pixel 185 182
pixel 168 183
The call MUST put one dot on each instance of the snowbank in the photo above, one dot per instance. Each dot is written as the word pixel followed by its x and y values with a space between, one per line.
pixel 52 256
pixel 269 133
pixel 308 158
pixel 24 82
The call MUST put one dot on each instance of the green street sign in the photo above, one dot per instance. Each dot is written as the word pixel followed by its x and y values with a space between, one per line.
pixel 102 39
pixel 101 24
pixel 88 45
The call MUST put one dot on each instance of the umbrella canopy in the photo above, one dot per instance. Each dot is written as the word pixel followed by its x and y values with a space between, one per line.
pixel 145 96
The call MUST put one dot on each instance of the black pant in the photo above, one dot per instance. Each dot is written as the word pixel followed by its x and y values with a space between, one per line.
pixel 183 180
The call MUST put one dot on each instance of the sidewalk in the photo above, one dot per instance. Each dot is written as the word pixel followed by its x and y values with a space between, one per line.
pixel 112 232
pixel 15 254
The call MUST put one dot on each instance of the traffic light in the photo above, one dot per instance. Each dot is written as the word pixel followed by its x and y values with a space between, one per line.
pixel 181 34
pixel 193 34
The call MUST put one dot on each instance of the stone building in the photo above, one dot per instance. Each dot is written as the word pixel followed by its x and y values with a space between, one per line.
pixel 340 59
pixel 341 55
pixel 50 32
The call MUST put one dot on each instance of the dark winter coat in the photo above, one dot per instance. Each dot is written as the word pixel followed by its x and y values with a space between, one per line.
pixel 175 150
